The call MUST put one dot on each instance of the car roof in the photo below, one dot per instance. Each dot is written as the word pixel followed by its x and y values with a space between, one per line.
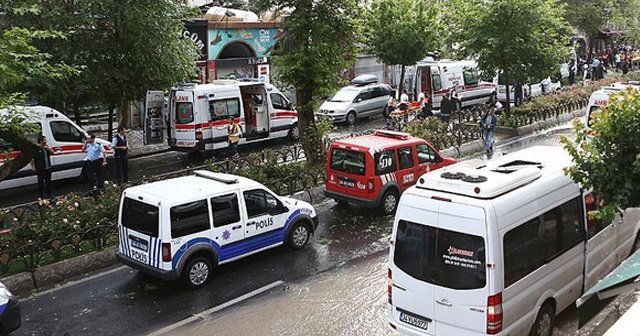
pixel 193 186
pixel 378 139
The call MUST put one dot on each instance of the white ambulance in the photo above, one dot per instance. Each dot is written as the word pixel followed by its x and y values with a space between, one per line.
pixel 199 114
pixel 65 138
pixel 437 78
pixel 498 247
pixel 186 226
pixel 600 98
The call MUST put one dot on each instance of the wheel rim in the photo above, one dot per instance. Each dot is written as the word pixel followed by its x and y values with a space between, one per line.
pixel 544 326
pixel 351 118
pixel 300 235
pixel 199 273
pixel 390 203
pixel 295 132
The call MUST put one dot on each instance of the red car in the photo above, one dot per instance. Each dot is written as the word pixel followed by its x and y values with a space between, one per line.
pixel 373 170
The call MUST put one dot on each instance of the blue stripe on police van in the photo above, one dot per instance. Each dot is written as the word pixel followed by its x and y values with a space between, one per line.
pixel 159 253
pixel 3 307
pixel 239 248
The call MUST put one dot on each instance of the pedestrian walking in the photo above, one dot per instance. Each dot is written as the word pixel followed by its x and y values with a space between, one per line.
pixel 572 72
pixel 96 159
pixel 447 106
pixel 488 123
pixel 121 146
pixel 233 129
pixel 41 165
pixel 518 94
pixel 618 60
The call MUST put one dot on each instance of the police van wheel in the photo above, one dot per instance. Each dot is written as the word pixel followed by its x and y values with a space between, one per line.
pixel 543 326
pixel 299 236
pixel 197 272
pixel 389 203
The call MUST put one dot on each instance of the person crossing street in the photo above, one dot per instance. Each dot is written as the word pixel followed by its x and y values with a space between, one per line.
pixel 488 123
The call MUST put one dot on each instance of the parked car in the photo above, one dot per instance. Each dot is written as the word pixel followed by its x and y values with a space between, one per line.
pixel 363 98
pixel 373 170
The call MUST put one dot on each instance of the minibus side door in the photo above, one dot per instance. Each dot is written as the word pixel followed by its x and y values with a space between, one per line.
pixel 602 240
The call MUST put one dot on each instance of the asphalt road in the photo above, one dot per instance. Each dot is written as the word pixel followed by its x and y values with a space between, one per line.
pixel 167 162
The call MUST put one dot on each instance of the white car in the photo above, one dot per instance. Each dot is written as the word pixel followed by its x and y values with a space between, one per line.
pixel 186 226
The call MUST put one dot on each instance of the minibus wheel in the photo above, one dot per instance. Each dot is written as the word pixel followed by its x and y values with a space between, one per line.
pixel 389 202
pixel 299 235
pixel 197 272
pixel 543 326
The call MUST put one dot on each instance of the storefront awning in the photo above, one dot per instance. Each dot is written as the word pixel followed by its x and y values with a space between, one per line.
pixel 622 279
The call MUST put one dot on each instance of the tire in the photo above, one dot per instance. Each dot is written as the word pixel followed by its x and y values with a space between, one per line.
pixel 294 132
pixel 197 272
pixel 543 325
pixel 298 236
pixel 351 118
pixel 386 113
pixel 389 202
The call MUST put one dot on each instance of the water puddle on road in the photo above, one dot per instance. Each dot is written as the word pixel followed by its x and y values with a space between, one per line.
pixel 348 301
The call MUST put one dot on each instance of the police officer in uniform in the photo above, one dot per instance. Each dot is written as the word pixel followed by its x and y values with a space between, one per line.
pixel 121 147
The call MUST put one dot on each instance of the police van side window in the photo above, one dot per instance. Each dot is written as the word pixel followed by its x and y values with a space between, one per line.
pixel 260 202
pixel 224 108
pixel 64 131
pixel 225 210
pixel 541 239
pixel 385 162
pixel 189 218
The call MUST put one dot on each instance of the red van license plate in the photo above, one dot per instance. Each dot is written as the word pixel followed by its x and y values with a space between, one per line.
pixel 414 321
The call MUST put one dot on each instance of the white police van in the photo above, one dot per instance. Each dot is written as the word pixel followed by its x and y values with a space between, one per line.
pixel 186 226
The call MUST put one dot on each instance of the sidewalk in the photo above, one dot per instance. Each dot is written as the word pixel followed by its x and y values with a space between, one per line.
pixel 136 143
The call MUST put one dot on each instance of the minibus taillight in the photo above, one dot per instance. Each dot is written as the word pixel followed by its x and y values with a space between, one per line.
pixel 494 314
pixel 198 135
pixel 389 286
pixel 166 252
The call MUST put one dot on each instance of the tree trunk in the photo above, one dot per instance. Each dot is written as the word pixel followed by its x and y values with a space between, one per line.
pixel 110 123
pixel 401 84
pixel 76 114
pixel 309 137
pixel 125 112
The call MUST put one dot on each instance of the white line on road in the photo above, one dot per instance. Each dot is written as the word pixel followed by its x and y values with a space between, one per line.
pixel 73 283
pixel 201 316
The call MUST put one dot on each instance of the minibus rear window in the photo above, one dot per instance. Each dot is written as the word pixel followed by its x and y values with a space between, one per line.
pixel 140 217
pixel 347 161
pixel 184 113
pixel 441 257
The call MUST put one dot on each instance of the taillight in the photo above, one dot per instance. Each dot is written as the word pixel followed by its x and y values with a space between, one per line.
pixel 166 252
pixel 494 314
pixel 198 135
pixel 389 286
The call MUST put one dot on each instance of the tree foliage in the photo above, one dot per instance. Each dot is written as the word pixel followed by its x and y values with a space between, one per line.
pixel 609 161
pixel 587 16
pixel 401 32
pixel 525 39
pixel 318 45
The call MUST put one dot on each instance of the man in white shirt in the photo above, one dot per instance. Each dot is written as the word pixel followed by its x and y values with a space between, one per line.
pixel 404 97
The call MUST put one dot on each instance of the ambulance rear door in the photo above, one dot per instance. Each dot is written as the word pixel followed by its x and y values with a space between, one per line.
pixel 182 117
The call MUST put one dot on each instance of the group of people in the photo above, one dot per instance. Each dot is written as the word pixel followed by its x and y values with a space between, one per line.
pixel 593 65
pixel 95 160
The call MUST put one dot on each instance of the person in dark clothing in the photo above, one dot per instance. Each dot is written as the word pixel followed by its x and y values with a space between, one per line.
pixel 41 165
pixel 572 72
pixel 447 106
pixel 518 94
pixel 121 146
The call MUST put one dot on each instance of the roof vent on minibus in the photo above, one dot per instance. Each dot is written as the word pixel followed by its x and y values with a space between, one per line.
pixel 516 165
pixel 224 178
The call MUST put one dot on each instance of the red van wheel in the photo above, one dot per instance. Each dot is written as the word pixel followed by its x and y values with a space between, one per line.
pixel 389 202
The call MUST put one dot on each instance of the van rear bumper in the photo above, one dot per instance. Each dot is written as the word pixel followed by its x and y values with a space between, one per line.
pixel 355 200
pixel 153 271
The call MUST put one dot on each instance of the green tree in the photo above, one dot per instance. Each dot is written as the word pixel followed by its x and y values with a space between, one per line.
pixel 401 32
pixel 609 161
pixel 587 16
pixel 524 39
pixel 318 45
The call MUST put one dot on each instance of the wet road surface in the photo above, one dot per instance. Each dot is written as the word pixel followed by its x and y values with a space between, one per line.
pixel 122 301
pixel 167 162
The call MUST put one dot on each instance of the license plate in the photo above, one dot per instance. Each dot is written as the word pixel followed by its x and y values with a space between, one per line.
pixel 414 321
pixel 139 243
pixel 184 143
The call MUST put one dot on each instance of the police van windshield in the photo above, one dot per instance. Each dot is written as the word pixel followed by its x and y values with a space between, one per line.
pixel 140 217
pixel 441 257
pixel 347 161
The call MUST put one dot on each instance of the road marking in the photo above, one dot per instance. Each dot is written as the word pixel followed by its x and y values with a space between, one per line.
pixel 73 283
pixel 203 315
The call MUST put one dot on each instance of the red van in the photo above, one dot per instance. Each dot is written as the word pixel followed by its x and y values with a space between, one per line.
pixel 373 170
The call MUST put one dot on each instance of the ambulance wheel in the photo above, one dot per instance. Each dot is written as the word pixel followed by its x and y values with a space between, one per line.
pixel 197 272
pixel 389 202
pixel 294 132
pixel 351 117
pixel 543 326
pixel 299 236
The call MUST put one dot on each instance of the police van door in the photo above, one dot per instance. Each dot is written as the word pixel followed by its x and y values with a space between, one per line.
pixel 266 216
pixel 228 226
pixel 152 120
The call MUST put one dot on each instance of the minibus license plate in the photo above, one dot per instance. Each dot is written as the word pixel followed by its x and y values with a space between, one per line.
pixel 138 243
pixel 414 321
